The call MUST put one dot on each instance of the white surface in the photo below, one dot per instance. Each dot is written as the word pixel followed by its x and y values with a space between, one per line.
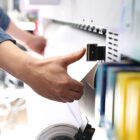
pixel 30 26
pixel 104 13
pixel 64 40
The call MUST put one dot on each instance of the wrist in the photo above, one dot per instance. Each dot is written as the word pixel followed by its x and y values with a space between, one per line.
pixel 27 68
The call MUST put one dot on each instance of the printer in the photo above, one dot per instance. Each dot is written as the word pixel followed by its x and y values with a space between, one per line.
pixel 69 26
pixel 53 120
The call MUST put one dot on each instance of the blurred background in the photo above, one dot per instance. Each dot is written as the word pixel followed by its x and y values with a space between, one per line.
pixel 13 116
pixel 112 105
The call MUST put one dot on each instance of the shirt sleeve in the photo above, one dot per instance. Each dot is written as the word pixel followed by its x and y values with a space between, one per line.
pixel 4 36
pixel 4 20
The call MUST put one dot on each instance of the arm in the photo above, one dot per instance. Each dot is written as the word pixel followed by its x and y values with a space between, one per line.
pixel 48 77
pixel 30 41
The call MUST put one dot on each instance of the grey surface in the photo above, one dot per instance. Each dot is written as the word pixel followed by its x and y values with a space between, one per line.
pixel 58 132
pixel 35 2
pixel 3 5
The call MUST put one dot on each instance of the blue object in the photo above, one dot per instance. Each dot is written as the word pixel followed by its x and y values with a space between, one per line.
pixel 4 36
pixel 101 86
pixel 4 20
pixel 101 89
pixel 4 23
pixel 110 95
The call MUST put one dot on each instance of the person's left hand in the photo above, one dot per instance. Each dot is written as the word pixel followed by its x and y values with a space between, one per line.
pixel 37 44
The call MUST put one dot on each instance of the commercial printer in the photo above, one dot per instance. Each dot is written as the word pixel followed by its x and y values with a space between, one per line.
pixel 68 26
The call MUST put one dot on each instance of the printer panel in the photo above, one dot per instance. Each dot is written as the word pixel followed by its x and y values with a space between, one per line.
pixel 91 12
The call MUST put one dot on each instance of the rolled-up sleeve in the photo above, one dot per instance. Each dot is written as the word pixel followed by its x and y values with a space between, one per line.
pixel 4 20
pixel 4 36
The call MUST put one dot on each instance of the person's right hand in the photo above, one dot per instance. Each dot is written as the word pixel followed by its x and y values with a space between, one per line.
pixel 49 78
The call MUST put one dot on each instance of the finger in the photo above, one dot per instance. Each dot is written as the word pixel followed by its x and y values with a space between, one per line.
pixel 74 95
pixel 61 99
pixel 68 59
pixel 76 85
pixel 65 99
pixel 52 97
pixel 57 99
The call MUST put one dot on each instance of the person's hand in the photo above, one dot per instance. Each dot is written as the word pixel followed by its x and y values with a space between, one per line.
pixel 49 78
pixel 37 44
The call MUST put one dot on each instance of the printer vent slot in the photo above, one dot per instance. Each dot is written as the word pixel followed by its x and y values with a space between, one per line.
pixel 112 43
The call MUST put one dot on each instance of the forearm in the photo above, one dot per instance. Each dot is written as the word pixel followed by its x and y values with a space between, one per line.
pixel 14 60
pixel 20 35
pixel 47 77
pixel 28 40
pixel 9 26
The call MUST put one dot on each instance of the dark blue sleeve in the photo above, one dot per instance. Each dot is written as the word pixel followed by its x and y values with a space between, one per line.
pixel 4 20
pixel 4 36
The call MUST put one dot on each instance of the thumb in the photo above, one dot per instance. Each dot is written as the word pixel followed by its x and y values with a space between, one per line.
pixel 68 59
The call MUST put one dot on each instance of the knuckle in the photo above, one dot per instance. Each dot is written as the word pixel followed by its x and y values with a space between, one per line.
pixel 62 94
pixel 66 82
pixel 79 96
pixel 71 101
pixel 64 99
